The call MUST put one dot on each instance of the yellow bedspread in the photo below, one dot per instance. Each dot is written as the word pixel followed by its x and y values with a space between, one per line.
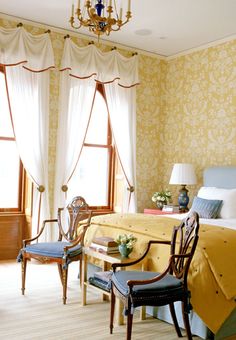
pixel 212 279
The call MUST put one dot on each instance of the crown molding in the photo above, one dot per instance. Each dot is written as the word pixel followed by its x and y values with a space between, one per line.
pixel 202 47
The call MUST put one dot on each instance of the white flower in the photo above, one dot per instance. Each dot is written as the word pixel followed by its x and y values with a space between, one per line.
pixel 129 240
pixel 163 196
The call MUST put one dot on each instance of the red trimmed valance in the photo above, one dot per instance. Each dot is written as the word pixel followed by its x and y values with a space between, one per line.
pixel 17 46
pixel 85 62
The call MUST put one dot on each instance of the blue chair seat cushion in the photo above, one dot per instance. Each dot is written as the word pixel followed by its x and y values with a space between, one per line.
pixel 52 249
pixel 157 293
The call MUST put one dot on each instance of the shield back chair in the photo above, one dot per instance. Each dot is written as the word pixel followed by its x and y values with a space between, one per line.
pixel 137 288
pixel 67 248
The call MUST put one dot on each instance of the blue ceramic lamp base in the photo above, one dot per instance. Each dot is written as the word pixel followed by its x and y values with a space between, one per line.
pixel 183 199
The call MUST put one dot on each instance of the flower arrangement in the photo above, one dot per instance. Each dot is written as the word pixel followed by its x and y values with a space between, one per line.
pixel 162 197
pixel 129 240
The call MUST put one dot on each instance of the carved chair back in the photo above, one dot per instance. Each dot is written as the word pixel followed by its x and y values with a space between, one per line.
pixel 185 238
pixel 77 212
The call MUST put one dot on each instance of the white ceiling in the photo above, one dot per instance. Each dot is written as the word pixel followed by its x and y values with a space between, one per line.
pixel 174 26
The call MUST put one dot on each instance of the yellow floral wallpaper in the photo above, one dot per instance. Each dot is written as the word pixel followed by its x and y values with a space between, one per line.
pixel 186 112
pixel 199 111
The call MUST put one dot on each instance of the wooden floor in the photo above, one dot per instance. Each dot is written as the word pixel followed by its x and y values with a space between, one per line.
pixel 40 314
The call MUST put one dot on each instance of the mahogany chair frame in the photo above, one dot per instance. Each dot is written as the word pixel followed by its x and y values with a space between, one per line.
pixel 80 217
pixel 186 237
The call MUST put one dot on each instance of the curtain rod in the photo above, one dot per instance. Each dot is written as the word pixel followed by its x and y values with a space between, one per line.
pixel 92 43
pixel 21 25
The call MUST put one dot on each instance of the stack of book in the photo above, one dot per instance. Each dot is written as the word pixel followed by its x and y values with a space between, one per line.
pixel 105 244
pixel 171 208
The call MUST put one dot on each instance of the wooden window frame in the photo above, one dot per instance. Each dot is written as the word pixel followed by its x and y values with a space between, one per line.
pixel 22 175
pixel 112 159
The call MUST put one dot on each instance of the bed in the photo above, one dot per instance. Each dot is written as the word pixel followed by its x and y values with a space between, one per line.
pixel 212 278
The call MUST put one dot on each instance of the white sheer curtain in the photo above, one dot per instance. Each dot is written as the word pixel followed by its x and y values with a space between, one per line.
pixel 76 97
pixel 28 59
pixel 122 110
pixel 81 67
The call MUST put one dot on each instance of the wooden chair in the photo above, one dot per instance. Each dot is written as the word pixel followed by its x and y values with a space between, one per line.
pixel 66 249
pixel 138 288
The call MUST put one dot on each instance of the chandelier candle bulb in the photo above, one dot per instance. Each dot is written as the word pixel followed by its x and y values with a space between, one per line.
pixel 72 10
pixel 121 13
pixel 78 4
pixel 129 5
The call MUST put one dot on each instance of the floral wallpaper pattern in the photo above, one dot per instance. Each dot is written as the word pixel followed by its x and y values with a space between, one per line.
pixel 199 111
pixel 186 112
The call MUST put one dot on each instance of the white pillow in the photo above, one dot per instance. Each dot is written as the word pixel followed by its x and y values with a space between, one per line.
pixel 228 196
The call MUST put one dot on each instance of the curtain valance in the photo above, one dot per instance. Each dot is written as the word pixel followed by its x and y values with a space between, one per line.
pixel 33 51
pixel 105 67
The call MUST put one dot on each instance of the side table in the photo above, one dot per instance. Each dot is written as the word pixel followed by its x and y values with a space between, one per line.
pixel 107 260
pixel 158 212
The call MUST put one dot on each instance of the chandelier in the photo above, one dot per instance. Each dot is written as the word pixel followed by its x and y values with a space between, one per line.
pixel 97 16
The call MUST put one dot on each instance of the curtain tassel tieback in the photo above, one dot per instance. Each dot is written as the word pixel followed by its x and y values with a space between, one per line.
pixel 64 188
pixel 41 188
pixel 131 188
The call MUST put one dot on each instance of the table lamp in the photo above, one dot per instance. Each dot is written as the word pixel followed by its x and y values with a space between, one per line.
pixel 183 174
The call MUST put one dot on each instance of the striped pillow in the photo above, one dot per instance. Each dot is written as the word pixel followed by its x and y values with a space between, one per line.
pixel 206 208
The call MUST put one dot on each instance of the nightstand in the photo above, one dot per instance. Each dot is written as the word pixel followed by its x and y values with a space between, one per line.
pixel 158 212
pixel 107 260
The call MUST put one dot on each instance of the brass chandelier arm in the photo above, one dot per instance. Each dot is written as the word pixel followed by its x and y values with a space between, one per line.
pixel 72 20
pixel 120 23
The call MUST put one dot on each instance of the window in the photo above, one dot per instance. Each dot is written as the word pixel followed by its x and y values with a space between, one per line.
pixel 94 175
pixel 11 167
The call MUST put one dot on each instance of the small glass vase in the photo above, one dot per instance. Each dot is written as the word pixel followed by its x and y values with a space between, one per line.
pixel 124 251
pixel 160 204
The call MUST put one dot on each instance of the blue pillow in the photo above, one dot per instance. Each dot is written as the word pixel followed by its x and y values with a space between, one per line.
pixel 206 208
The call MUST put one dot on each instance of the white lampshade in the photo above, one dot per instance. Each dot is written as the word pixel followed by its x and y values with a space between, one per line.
pixel 183 173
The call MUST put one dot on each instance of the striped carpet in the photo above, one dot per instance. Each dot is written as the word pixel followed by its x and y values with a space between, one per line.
pixel 40 314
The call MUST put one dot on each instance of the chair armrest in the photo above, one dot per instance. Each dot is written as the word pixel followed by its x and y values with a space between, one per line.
pixel 28 240
pixel 160 276
pixel 115 265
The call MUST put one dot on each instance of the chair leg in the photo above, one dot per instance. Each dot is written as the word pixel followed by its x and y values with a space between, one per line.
pixel 112 310
pixel 80 271
pixel 64 282
pixel 175 321
pixel 186 321
pixel 129 325
pixel 59 266
pixel 23 274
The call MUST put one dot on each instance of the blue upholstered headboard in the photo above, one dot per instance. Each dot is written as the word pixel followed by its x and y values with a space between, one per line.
pixel 220 177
